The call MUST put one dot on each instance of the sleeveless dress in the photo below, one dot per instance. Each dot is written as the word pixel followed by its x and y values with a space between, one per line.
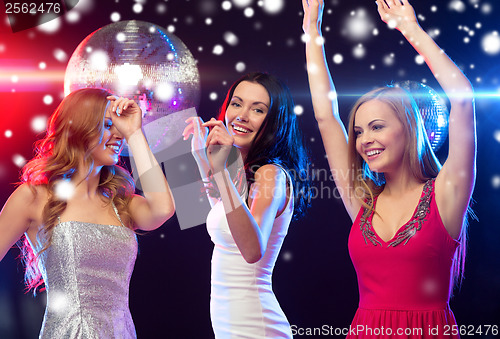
pixel 87 271
pixel 242 302
pixel 404 284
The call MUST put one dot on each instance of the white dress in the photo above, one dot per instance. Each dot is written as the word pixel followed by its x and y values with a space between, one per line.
pixel 242 302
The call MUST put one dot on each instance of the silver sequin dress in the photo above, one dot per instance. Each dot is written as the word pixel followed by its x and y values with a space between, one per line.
pixel 87 271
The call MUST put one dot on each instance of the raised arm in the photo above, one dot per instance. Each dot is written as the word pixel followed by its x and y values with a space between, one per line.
pixel 325 105
pixel 157 205
pixel 250 227
pixel 455 182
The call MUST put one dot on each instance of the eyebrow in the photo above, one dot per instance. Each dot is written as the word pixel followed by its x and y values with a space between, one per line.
pixel 371 122
pixel 254 103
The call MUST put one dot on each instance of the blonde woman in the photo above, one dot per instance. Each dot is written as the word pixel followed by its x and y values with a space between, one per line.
pixel 407 242
pixel 78 212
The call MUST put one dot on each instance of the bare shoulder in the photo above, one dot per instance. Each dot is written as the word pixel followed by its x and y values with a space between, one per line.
pixel 25 194
pixel 29 200
pixel 270 173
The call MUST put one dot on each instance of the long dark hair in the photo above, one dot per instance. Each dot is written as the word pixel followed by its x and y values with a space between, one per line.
pixel 278 140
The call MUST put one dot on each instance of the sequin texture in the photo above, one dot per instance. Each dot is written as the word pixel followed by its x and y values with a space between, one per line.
pixel 87 272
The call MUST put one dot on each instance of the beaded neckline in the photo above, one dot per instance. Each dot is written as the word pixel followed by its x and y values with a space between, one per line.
pixel 406 231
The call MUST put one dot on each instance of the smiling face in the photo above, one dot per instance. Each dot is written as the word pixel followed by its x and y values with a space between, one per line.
pixel 380 136
pixel 246 112
pixel 106 150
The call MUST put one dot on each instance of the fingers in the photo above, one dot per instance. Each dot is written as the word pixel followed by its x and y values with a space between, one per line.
pixel 382 8
pixel 187 131
pixel 218 135
pixel 212 123
pixel 382 5
pixel 305 4
pixel 119 105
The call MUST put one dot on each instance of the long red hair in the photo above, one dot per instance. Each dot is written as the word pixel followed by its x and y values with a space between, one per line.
pixel 72 130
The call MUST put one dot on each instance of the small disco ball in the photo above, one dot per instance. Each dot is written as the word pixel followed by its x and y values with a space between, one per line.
pixel 433 110
pixel 140 61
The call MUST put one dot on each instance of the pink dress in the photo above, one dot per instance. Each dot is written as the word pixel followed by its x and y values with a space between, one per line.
pixel 405 283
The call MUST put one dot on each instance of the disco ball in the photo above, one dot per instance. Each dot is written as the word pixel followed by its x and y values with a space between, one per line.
pixel 433 110
pixel 141 61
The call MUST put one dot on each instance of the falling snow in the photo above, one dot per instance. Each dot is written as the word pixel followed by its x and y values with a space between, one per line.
pixel 359 51
pixel 226 5
pixel 240 67
pixel 115 16
pixel 99 60
pixel 249 12
pixel 60 55
pixel 486 8
pixel 39 124
pixel 491 43
pixel 48 99
pixel 242 3
pixel 358 25
pixel 72 17
pixel 496 135
pixel 231 38
pixel 64 189
pixel 273 6
pixel 298 110
pixel 338 58
pixel 389 59
pixel 137 8
pixel 218 50
pixel 287 256
pixel 495 181
pixel 457 5
pixel 18 160
pixel 51 25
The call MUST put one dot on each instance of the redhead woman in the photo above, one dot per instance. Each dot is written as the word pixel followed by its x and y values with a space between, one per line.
pixel 248 222
pixel 407 242
pixel 78 212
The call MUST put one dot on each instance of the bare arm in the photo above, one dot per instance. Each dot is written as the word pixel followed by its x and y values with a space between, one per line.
pixel 250 227
pixel 15 218
pixel 157 205
pixel 198 149
pixel 325 105
pixel 457 176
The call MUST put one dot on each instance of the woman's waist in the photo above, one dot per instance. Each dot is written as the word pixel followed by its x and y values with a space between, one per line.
pixel 403 305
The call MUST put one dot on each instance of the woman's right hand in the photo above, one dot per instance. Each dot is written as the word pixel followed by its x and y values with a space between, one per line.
pixel 199 139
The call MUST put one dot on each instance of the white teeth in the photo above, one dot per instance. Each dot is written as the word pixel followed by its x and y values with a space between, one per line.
pixel 240 129
pixel 373 152
pixel 114 147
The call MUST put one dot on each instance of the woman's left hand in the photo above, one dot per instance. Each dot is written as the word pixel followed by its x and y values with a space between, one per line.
pixel 397 14
pixel 313 15
pixel 126 115
pixel 219 144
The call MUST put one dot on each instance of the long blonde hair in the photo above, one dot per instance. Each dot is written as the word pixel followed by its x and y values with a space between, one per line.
pixel 418 157
pixel 72 130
